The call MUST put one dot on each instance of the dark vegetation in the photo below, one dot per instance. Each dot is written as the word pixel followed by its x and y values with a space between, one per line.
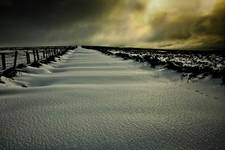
pixel 191 63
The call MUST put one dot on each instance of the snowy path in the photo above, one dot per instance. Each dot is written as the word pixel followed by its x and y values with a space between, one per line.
pixel 93 101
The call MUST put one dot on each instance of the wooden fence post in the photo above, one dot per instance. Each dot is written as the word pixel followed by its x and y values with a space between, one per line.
pixel 34 55
pixel 15 59
pixel 37 52
pixel 28 57
pixel 3 62
pixel 43 53
pixel 47 53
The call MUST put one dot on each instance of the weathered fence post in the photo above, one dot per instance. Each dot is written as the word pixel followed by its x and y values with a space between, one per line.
pixel 34 55
pixel 3 62
pixel 43 53
pixel 47 53
pixel 37 52
pixel 15 59
pixel 28 57
pixel 52 53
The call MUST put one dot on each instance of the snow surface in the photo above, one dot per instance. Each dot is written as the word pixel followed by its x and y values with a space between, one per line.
pixel 93 101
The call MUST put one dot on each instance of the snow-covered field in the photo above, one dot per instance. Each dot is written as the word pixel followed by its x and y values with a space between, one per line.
pixel 192 64
pixel 88 100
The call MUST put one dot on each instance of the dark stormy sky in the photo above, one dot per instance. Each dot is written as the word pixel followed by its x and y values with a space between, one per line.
pixel 141 23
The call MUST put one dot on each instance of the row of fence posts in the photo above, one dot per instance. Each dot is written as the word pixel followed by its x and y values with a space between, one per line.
pixel 45 54
pixel 36 55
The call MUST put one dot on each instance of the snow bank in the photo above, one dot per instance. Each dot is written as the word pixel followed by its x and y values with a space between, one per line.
pixel 7 82
pixel 34 70
pixel 193 65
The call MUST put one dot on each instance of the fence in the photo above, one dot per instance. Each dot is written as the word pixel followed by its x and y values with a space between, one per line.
pixel 12 58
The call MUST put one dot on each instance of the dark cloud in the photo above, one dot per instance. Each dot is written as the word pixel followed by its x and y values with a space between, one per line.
pixel 149 23
pixel 184 27
pixel 212 24
pixel 27 20
pixel 165 28
pixel 41 12
pixel 189 25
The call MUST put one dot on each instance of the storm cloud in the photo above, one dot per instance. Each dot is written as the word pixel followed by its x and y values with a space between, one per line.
pixel 140 23
pixel 193 22
pixel 47 20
